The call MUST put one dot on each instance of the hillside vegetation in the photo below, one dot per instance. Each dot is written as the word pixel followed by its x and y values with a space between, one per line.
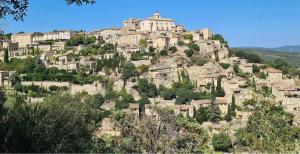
pixel 291 58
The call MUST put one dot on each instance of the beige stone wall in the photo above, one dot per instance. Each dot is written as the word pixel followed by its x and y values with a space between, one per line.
pixel 156 23
pixel 23 39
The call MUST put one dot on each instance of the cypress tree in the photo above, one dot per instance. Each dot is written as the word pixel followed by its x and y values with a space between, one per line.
pixel 233 106
pixel 6 58
pixel 219 87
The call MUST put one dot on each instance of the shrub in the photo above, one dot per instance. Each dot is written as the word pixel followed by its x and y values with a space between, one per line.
pixel 163 53
pixel 221 142
pixel 189 52
pixel 224 65
pixel 168 94
pixel 173 49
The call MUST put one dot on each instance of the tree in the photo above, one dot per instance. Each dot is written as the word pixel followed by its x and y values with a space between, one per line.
pixel 219 87
pixel 143 43
pixel 146 88
pixel 188 37
pixel 168 94
pixel 6 56
pixel 228 116
pixel 212 90
pixel 18 8
pixel 128 71
pixel 214 113
pixel 61 123
pixel 173 49
pixel 255 69
pixel 221 142
pixel 219 37
pixel 163 53
pixel 151 49
pixel 184 96
pixel 189 52
pixel 233 106
pixel 201 115
pixel 2 101
pixel 269 129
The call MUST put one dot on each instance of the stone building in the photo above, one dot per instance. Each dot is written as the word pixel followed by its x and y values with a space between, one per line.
pixel 273 74
pixel 157 24
pixel 24 40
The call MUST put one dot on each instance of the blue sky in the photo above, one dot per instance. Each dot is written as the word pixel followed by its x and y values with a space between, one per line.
pixel 264 23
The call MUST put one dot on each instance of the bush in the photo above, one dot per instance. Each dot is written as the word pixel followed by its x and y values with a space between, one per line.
pixel 163 53
pixel 173 49
pixel 168 94
pixel 201 115
pixel 198 61
pixel 188 37
pixel 255 69
pixel 184 96
pixel 224 65
pixel 194 47
pixel 221 142
pixel 189 52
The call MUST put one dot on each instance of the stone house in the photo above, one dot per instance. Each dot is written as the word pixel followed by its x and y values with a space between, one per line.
pixel 273 74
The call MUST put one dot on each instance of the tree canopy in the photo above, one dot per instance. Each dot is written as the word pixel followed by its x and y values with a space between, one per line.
pixel 18 8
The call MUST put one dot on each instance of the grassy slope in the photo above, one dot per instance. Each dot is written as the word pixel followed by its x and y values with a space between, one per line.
pixel 292 58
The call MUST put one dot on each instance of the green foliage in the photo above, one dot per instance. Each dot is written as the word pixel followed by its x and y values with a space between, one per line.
pixel 143 43
pixel 168 94
pixel 20 65
pixel 173 49
pixel 189 52
pixel 214 113
pixel 198 60
pixel 80 40
pixel 124 102
pixel 269 129
pixel 188 37
pixel 151 49
pixel 146 88
pixel 221 142
pixel 183 96
pixel 255 69
pixel 201 115
pixel 251 57
pixel 163 53
pixel 32 90
pixel 61 123
pixel 143 68
pixel 2 101
pixel 224 65
pixel 194 47
pixel 95 101
pixel 6 56
pixel 219 90
pixel 136 56
pixel 220 38
pixel 262 75
pixel 128 71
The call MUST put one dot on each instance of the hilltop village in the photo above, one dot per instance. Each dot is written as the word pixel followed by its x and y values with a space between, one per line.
pixel 147 70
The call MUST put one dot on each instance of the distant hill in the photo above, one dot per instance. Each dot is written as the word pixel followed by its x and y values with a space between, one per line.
pixel 286 48
pixel 289 48
pixel 292 58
